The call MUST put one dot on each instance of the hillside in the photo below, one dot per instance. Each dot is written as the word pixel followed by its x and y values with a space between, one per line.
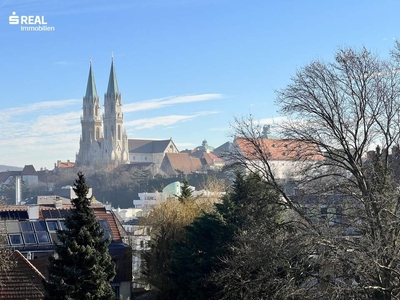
pixel 4 168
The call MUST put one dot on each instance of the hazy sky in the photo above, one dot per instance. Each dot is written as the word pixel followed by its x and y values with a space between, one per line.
pixel 185 68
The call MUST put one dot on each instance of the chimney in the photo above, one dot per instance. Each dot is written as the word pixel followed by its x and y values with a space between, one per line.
pixel 33 212
pixel 58 202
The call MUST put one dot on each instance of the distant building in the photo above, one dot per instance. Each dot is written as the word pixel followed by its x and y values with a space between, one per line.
pixel 287 158
pixel 103 139
pixel 150 153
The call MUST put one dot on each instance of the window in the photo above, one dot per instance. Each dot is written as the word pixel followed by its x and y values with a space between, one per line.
pixel 104 224
pixel 106 228
pixel 119 132
pixel 26 226
pixel 29 238
pixel 62 225
pixel 97 133
pixel 52 225
pixel 40 226
pixel 43 238
pixel 12 226
pixel 15 239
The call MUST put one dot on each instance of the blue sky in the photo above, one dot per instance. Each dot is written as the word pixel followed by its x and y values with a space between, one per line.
pixel 185 68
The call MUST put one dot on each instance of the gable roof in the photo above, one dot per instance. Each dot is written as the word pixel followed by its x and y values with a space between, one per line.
pixel 28 170
pixel 20 212
pixel 5 175
pixel 183 162
pixel 277 149
pixel 22 280
pixel 148 146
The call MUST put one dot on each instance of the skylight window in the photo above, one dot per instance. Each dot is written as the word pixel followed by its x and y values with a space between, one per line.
pixel 29 238
pixel 26 226
pixel 40 226
pixel 43 238
pixel 15 239
pixel 52 225
pixel 12 226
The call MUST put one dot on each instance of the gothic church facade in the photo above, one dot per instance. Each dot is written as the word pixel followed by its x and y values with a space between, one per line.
pixel 103 139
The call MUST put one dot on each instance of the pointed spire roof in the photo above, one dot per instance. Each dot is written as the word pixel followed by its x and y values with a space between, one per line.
pixel 91 90
pixel 112 81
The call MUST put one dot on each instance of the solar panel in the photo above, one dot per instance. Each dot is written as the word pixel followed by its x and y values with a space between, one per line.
pixel 14 215
pixel 46 214
pixel 65 213
pixel 55 214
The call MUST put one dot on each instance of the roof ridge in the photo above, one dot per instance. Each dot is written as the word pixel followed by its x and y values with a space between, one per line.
pixel 29 264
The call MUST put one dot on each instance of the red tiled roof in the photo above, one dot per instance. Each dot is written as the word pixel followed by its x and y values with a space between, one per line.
pixel 22 280
pixel 276 149
pixel 13 208
pixel 65 164
pixel 116 230
pixel 183 162
pixel 100 211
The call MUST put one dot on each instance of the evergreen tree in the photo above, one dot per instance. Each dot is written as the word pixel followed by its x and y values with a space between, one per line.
pixel 83 268
pixel 186 192
pixel 209 238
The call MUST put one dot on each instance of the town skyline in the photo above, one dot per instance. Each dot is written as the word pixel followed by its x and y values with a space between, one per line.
pixel 185 69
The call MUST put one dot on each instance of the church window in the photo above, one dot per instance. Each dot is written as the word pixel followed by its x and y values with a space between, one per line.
pixel 119 132
pixel 112 130
pixel 97 133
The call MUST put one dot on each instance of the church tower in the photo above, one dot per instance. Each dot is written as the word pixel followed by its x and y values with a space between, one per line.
pixel 115 147
pixel 91 121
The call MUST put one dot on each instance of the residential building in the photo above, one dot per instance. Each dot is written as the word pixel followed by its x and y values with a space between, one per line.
pixel 31 230
pixel 286 158
pixel 150 153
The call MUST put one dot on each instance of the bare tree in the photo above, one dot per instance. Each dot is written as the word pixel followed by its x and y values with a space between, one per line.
pixel 342 110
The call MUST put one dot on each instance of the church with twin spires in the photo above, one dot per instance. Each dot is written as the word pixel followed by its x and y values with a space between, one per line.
pixel 103 139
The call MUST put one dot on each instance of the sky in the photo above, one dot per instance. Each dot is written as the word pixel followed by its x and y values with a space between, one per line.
pixel 185 68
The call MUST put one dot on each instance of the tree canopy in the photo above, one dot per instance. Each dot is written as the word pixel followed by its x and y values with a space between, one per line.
pixel 82 267
pixel 349 200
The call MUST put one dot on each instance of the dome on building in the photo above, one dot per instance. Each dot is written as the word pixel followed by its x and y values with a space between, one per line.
pixel 204 147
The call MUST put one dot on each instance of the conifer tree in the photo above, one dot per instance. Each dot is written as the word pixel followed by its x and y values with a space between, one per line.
pixel 186 192
pixel 83 268
pixel 209 239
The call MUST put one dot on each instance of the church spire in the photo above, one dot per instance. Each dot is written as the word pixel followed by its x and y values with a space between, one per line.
pixel 91 91
pixel 112 81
